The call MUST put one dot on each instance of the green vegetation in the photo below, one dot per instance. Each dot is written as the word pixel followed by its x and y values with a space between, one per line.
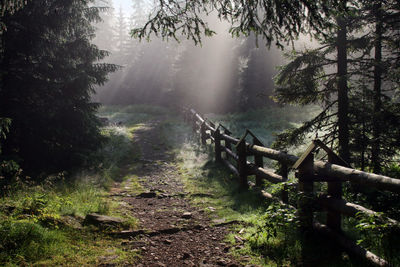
pixel 42 223
pixel 268 231
pixel 266 122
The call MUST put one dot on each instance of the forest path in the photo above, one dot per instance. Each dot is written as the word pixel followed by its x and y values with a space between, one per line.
pixel 176 232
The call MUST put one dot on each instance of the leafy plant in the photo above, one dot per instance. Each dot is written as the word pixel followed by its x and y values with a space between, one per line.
pixel 380 234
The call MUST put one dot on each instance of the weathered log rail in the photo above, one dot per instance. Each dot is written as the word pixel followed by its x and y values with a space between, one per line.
pixel 233 153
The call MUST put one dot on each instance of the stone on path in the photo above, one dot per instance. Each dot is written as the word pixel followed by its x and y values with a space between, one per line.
pixel 103 220
pixel 187 215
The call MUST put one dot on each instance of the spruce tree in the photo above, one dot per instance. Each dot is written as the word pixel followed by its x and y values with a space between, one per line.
pixel 309 78
pixel 49 71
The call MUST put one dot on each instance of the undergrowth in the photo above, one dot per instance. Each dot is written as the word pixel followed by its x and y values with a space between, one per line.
pixel 42 224
pixel 267 233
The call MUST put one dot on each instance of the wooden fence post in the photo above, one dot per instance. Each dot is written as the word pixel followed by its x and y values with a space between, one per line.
pixel 242 163
pixel 217 143
pixel 305 174
pixel 203 135
pixel 284 174
pixel 227 144
pixel 258 161
pixel 334 219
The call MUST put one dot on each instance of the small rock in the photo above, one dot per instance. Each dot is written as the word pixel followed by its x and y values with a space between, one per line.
pixel 160 264
pixel 102 220
pixel 187 215
pixel 219 221
pixel 189 263
pixel 221 262
pixel 167 241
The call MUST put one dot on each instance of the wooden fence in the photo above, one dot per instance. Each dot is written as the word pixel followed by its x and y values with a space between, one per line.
pixel 308 171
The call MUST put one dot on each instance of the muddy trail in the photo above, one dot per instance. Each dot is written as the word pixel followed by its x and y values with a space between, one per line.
pixel 172 232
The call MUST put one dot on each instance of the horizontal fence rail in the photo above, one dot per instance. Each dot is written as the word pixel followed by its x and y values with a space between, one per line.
pixel 233 153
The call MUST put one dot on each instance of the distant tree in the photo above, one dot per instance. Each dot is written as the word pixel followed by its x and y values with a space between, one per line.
pixel 257 85
pixel 122 38
pixel 277 22
pixel 49 72
pixel 139 13
pixel 105 32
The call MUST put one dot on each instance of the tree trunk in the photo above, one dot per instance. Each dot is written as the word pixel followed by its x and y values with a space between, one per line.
pixel 376 144
pixel 343 102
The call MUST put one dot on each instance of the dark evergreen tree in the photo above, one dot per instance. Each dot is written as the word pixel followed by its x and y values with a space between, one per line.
pixel 365 109
pixel 275 21
pixel 311 78
pixel 49 71
pixel 375 70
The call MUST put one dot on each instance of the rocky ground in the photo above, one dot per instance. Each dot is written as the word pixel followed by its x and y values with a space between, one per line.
pixel 173 232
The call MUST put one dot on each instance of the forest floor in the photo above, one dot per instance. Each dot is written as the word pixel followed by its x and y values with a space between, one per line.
pixel 172 231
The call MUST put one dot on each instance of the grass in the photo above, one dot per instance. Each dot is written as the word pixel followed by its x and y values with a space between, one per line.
pixel 41 224
pixel 265 123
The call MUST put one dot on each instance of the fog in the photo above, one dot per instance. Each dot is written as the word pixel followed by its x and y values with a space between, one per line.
pixel 223 74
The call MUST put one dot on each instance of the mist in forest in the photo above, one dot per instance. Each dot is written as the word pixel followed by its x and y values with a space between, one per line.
pixel 223 74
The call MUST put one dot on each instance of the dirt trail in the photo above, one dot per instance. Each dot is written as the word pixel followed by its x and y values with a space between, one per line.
pixel 178 233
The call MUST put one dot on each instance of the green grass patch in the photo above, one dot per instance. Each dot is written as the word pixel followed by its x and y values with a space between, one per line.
pixel 42 225
pixel 131 115
pixel 265 123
